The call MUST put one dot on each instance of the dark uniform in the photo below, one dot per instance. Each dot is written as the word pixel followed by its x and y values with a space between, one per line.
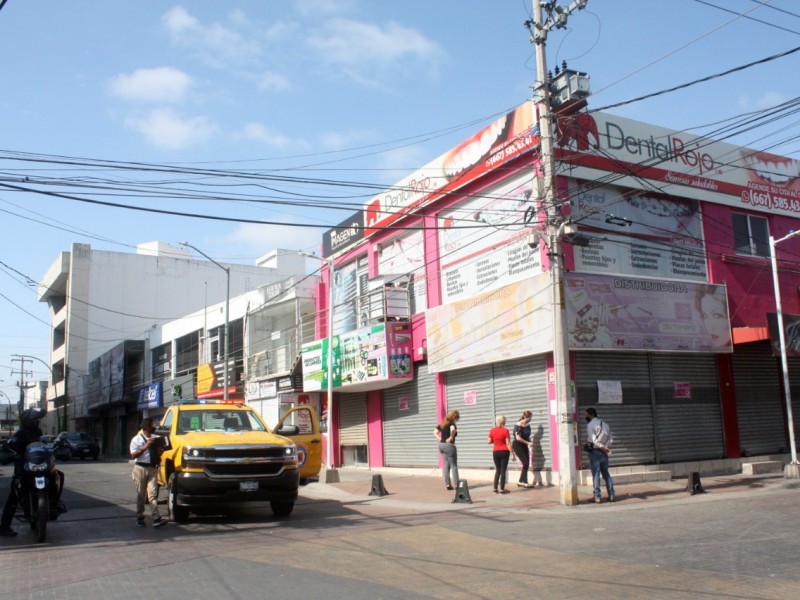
pixel 28 433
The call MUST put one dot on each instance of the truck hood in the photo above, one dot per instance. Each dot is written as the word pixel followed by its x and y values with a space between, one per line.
pixel 233 438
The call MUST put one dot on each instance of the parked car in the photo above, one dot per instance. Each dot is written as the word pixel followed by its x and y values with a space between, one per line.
pixel 81 444
pixel 61 451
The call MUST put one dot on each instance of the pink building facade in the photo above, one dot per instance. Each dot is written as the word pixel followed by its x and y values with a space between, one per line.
pixel 667 292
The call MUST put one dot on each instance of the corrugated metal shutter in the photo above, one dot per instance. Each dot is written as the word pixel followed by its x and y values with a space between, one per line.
pixel 632 421
pixel 687 428
pixel 759 403
pixel 407 434
pixel 521 385
pixel 794 384
pixel 476 419
pixel 353 419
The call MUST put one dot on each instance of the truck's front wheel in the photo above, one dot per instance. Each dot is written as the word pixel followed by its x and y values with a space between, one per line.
pixel 179 514
pixel 281 509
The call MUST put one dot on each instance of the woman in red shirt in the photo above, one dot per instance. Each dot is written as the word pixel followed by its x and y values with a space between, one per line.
pixel 500 440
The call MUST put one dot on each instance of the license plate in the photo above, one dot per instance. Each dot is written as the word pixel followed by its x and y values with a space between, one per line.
pixel 248 486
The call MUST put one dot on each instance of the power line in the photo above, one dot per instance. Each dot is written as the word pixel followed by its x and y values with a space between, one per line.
pixel 701 80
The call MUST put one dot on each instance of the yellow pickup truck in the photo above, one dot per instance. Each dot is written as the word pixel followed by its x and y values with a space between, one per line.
pixel 223 452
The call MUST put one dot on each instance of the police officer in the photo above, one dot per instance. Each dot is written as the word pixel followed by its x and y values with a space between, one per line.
pixel 27 433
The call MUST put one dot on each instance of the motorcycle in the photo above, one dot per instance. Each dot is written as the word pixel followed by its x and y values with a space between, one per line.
pixel 39 488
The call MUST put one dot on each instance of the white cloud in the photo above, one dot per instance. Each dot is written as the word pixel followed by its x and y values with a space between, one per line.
pixel 260 239
pixel 263 134
pixel 399 162
pixel 164 128
pixel 337 140
pixel 281 30
pixel 322 7
pixel 353 43
pixel 161 84
pixel 273 82
pixel 770 99
pixel 216 44
pixel 765 100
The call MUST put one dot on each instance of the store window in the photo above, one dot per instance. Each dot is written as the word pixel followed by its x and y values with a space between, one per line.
pixel 350 299
pixel 404 259
pixel 750 235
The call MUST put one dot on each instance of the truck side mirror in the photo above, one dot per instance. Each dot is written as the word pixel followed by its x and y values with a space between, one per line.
pixel 288 430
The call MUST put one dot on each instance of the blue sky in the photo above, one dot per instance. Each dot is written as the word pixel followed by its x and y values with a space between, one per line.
pixel 338 90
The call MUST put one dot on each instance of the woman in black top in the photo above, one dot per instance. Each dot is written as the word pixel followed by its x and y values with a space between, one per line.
pixel 521 445
pixel 446 433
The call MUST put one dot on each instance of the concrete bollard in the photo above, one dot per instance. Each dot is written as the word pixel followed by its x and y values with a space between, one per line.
pixel 462 492
pixel 693 485
pixel 378 489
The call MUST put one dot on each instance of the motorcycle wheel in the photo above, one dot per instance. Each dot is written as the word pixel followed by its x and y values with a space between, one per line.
pixel 179 514
pixel 40 516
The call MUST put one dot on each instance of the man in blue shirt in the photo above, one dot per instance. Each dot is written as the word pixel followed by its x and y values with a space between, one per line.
pixel 599 435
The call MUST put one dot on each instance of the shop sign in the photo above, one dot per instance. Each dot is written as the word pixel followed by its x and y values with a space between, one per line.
pixel 150 397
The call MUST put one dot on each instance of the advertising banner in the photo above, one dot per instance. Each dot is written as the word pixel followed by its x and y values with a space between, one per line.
pixel 261 390
pixel 791 334
pixel 506 138
pixel 662 237
pixel 626 313
pixel 474 260
pixel 211 381
pixel 375 354
pixel 685 165
pixel 507 323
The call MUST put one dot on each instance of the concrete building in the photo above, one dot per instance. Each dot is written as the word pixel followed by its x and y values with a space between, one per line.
pixel 184 359
pixel 99 299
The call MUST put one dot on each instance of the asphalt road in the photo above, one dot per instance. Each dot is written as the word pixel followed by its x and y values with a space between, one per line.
pixel 742 546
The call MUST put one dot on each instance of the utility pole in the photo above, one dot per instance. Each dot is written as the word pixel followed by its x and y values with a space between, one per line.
pixel 556 223
pixel 21 383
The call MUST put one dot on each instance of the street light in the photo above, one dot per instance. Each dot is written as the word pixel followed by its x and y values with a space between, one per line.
pixel 227 314
pixel 329 446
pixel 781 336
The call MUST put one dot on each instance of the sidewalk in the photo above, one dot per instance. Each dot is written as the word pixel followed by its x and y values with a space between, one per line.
pixel 427 491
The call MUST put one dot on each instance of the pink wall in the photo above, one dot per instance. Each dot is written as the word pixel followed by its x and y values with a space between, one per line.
pixel 749 279
pixel 375 428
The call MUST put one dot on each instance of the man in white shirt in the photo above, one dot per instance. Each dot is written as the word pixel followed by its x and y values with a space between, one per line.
pixel 599 434
pixel 146 457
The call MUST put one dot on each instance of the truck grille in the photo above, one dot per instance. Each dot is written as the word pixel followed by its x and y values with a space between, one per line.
pixel 222 452
pixel 225 470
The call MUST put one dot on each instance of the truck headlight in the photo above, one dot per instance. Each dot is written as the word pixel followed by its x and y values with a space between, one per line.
pixel 290 451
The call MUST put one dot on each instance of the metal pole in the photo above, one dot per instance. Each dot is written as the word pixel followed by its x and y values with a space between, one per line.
pixel 331 462
pixel 227 318
pixel 227 314
pixel 567 473
pixel 782 339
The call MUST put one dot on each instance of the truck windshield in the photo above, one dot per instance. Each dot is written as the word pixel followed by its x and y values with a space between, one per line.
pixel 218 420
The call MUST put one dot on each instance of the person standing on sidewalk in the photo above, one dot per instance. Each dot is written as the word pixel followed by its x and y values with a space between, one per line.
pixel 146 457
pixel 500 440
pixel 599 435
pixel 521 446
pixel 446 433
